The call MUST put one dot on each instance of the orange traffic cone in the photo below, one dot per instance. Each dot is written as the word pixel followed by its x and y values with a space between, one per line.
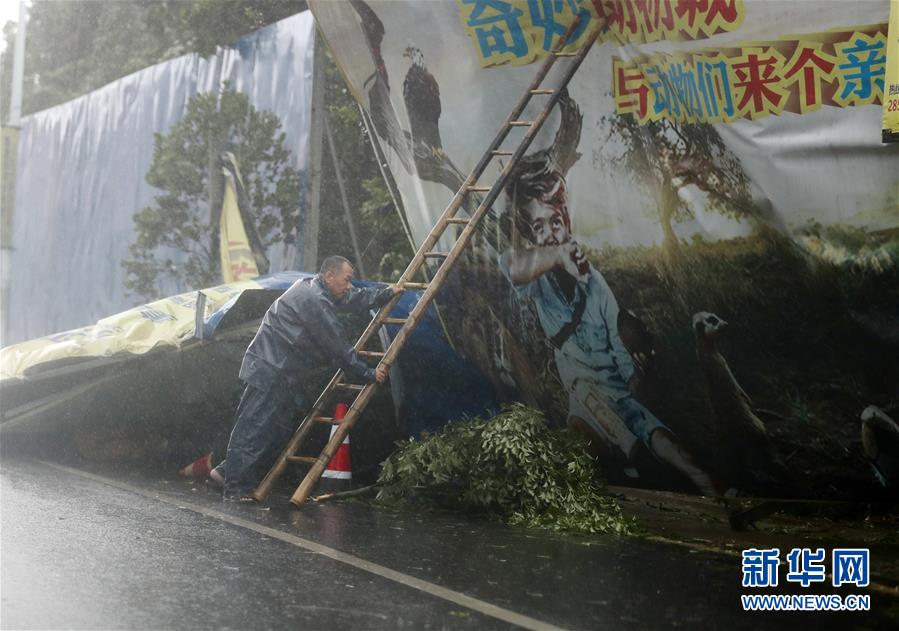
pixel 199 468
pixel 338 475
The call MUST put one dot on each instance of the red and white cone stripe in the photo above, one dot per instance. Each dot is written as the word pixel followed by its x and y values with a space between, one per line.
pixel 199 468
pixel 340 467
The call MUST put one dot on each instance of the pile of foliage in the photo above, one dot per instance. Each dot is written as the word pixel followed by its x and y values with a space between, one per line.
pixel 512 466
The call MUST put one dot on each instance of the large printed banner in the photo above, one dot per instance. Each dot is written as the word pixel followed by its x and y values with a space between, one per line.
pixel 695 264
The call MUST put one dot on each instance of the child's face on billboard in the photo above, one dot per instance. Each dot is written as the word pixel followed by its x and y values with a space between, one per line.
pixel 547 223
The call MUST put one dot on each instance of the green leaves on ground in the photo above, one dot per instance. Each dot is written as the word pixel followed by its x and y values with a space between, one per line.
pixel 512 466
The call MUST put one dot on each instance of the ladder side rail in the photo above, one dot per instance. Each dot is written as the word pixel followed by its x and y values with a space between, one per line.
pixel 318 467
pixel 538 80
pixel 264 488
pixel 500 183
pixel 416 262
pixel 375 323
pixel 506 126
pixel 437 231
pixel 460 196
pixel 468 231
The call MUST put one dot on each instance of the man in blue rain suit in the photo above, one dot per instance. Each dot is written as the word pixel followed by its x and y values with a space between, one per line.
pixel 299 331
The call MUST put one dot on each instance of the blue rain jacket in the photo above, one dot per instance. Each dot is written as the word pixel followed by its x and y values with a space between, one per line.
pixel 301 330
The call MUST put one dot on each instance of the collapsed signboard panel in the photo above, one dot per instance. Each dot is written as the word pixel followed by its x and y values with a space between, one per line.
pixel 697 261
pixel 159 382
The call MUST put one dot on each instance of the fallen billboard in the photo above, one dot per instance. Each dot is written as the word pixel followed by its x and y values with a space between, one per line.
pixel 696 263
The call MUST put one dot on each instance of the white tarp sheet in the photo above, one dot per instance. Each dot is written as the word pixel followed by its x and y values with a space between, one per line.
pixel 81 169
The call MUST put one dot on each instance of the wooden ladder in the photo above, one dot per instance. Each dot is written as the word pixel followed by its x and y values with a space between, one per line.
pixel 446 261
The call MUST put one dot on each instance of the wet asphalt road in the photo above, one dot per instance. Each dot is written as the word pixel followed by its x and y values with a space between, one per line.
pixel 131 553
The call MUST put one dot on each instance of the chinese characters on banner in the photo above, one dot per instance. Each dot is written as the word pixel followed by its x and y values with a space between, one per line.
pixel 519 31
pixel 639 21
pixel 838 69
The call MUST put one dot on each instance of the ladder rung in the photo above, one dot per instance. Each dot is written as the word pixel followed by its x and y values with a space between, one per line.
pixel 436 255
pixel 478 189
pixel 327 420
pixel 561 54
pixel 396 320
pixel 416 286
pixel 502 152
pixel 542 91
pixel 521 123
pixel 457 220
pixel 302 459
pixel 349 386
pixel 371 354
